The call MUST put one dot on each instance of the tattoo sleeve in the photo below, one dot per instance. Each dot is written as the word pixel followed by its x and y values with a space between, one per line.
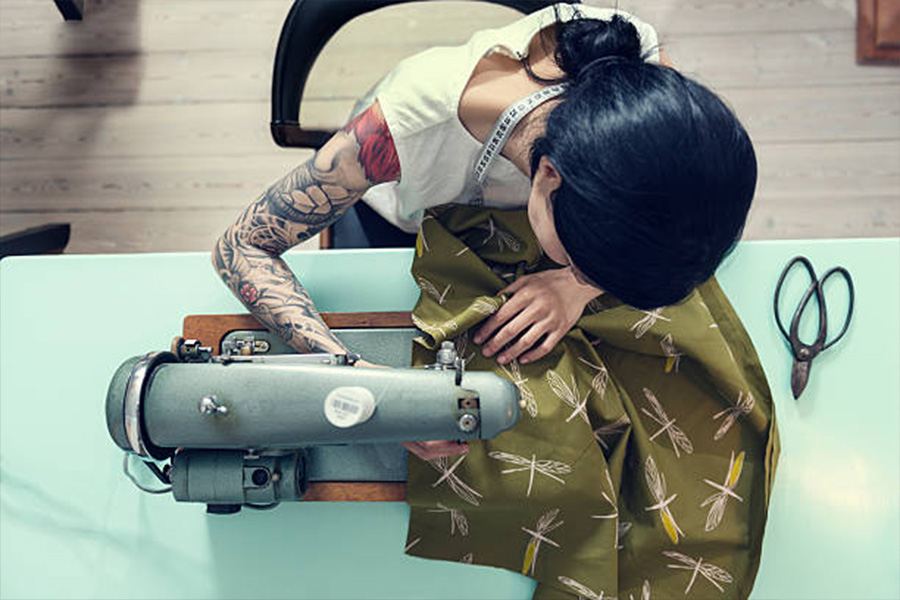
pixel 304 202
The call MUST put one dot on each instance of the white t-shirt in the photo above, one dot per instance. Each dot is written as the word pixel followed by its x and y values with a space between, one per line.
pixel 420 100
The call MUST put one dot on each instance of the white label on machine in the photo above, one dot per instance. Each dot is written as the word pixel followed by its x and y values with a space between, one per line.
pixel 349 405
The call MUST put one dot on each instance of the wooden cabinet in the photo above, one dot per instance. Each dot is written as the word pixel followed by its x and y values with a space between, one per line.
pixel 878 31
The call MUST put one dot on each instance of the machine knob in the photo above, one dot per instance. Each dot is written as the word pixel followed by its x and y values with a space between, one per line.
pixel 468 423
pixel 446 356
pixel 209 405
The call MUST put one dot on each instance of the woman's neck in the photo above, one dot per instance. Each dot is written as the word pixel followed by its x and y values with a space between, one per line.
pixel 518 148
pixel 543 64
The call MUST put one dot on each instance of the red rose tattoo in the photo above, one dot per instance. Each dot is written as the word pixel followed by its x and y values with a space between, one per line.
pixel 376 146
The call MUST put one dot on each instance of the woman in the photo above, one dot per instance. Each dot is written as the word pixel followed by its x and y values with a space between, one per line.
pixel 638 180
pixel 643 462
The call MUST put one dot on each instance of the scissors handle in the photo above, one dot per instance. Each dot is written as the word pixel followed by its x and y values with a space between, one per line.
pixel 846 275
pixel 808 351
pixel 812 288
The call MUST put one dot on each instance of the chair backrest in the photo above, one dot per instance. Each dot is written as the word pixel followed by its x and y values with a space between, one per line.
pixel 307 28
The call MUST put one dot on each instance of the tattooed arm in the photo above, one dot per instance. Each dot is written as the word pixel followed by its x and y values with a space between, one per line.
pixel 304 202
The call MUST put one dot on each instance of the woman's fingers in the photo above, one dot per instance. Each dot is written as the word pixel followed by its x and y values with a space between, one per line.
pixel 509 332
pixel 543 349
pixel 527 341
pixel 509 310
pixel 436 449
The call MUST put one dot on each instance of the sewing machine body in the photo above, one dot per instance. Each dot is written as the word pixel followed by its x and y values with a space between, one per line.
pixel 253 427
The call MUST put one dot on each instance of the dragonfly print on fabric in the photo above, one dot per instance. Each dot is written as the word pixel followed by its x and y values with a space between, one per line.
pixel 720 499
pixel 421 242
pixel 410 545
pixel 435 331
pixel 514 374
pixel 432 290
pixel 584 592
pixel 617 427
pixel 457 519
pixel 569 395
pixel 715 575
pixel 486 305
pixel 600 380
pixel 656 482
pixel 649 320
pixel 673 357
pixel 609 498
pixel 728 349
pixel 544 526
pixel 743 406
pixel 621 531
pixel 459 487
pixel 612 503
pixel 548 468
pixel 503 238
pixel 461 343
pixel 676 436
pixel 645 591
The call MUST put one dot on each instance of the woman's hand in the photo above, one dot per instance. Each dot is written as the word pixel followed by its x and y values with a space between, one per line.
pixel 425 450
pixel 544 306
pixel 436 449
pixel 364 363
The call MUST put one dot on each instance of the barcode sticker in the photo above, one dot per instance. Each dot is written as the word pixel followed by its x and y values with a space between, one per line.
pixel 348 406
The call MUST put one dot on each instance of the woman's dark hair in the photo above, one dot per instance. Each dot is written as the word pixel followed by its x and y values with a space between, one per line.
pixel 657 172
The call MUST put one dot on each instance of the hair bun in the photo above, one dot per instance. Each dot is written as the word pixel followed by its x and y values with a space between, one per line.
pixel 584 42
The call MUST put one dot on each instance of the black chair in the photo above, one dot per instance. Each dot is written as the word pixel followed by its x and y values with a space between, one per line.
pixel 307 28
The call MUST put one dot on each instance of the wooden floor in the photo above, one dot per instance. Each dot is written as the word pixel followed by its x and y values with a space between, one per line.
pixel 146 125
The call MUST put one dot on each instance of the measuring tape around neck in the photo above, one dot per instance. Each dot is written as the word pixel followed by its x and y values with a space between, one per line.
pixel 505 125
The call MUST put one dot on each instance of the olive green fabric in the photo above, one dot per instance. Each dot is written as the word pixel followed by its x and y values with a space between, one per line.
pixel 643 461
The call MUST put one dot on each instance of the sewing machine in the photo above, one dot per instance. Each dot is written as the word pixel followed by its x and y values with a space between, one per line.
pixel 245 421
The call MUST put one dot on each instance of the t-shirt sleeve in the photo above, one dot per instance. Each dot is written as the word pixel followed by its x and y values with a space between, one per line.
pixel 417 93
pixel 417 100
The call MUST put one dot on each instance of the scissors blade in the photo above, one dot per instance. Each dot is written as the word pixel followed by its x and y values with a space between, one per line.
pixel 799 376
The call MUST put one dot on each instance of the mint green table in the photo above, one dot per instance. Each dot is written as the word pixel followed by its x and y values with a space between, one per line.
pixel 72 526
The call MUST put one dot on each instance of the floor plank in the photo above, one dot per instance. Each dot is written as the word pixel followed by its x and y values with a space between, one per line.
pixel 137 231
pixel 344 72
pixel 30 28
pixel 180 230
pixel 823 217
pixel 805 190
pixel 116 27
pixel 143 183
pixel 770 115
pixel 146 125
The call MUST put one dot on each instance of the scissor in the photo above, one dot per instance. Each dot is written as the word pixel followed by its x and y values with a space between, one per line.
pixel 805 353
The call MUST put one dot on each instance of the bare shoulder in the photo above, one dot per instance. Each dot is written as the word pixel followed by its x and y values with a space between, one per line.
pixel 487 94
pixel 664 59
pixel 499 80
